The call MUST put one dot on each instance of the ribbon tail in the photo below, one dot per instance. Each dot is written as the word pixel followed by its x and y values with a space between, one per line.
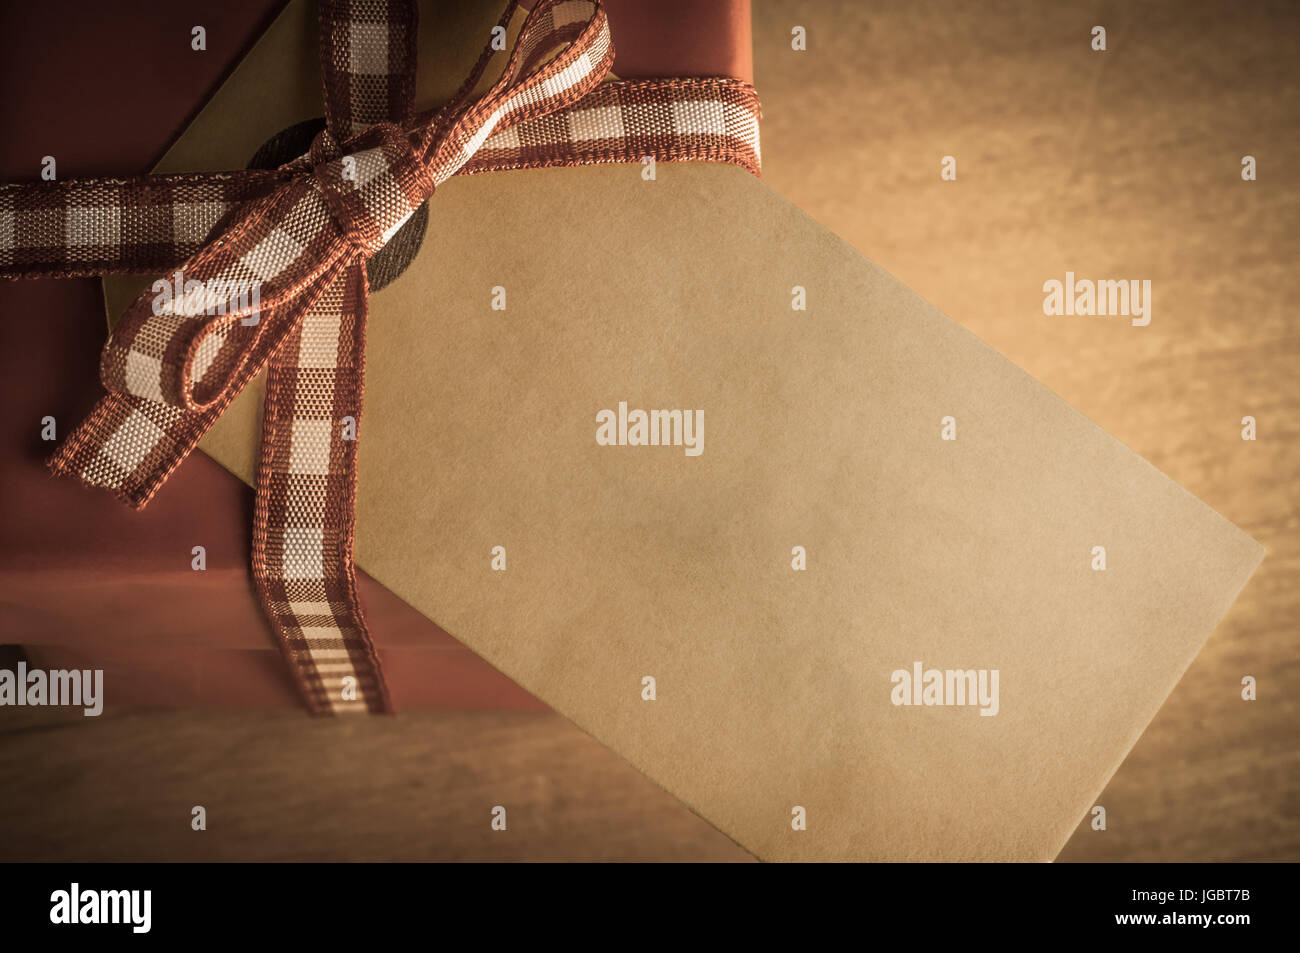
pixel 304 521
pixel 129 445
pixel 305 513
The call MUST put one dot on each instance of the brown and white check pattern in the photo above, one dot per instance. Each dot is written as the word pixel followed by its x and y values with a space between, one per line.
pixel 301 235
pixel 678 120
pixel 146 225
pixel 306 493
pixel 367 55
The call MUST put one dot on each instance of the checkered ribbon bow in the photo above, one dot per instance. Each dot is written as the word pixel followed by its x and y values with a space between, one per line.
pixel 269 274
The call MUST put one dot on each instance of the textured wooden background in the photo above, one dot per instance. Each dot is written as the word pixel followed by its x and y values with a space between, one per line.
pixel 1117 164
pixel 1122 164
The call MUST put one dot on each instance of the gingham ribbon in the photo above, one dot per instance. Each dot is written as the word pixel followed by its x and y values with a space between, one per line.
pixel 266 271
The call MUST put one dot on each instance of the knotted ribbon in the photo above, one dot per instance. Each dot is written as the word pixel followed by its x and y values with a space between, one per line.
pixel 270 274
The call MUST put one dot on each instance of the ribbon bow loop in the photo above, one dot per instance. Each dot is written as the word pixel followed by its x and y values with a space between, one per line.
pixel 194 342
pixel 563 52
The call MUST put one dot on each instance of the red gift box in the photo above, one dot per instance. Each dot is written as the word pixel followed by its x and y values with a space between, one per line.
pixel 86 582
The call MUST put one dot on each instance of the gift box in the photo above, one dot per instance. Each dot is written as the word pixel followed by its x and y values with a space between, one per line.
pixel 859 614
pixel 77 563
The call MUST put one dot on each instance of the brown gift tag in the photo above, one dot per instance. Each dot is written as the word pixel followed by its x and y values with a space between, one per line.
pixel 774 712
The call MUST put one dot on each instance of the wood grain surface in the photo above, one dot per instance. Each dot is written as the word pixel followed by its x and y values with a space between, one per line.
pixel 1117 164
pixel 281 786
